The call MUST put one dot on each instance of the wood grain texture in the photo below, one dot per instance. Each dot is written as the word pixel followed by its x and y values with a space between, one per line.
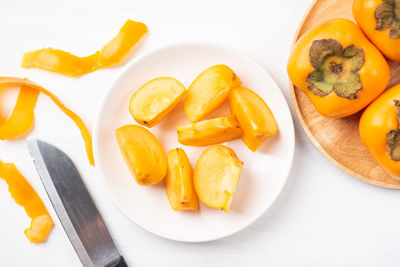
pixel 339 139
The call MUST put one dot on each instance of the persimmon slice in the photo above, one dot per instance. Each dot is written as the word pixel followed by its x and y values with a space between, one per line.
pixel 208 91
pixel 179 181
pixel 216 175
pixel 143 154
pixel 155 100
pixel 209 132
pixel 254 116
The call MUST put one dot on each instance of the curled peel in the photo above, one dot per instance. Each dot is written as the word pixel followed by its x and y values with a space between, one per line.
pixel 24 195
pixel 111 54
pixel 22 117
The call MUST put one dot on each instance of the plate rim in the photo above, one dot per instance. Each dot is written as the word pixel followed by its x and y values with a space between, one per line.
pixel 124 72
pixel 314 141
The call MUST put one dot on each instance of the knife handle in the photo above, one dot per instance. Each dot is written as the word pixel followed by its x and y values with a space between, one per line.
pixel 120 262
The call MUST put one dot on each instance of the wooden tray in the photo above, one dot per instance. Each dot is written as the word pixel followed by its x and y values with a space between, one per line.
pixel 339 139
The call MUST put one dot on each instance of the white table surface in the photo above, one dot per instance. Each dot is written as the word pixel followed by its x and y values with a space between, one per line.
pixel 323 217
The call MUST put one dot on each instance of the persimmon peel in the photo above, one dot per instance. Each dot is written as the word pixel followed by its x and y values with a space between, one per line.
pixel 111 54
pixel 21 119
pixel 24 195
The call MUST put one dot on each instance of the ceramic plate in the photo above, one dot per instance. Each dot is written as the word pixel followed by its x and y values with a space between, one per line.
pixel 264 173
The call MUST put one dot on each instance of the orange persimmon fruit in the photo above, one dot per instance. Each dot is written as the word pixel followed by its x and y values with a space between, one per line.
pixel 379 130
pixel 380 21
pixel 338 68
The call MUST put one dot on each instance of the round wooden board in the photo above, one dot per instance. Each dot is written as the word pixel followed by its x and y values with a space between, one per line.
pixel 339 139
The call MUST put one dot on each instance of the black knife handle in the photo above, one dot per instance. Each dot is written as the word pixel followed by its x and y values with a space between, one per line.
pixel 120 262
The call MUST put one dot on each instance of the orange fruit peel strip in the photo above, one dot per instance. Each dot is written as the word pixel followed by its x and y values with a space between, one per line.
pixel 18 124
pixel 111 54
pixel 24 195
pixel 22 117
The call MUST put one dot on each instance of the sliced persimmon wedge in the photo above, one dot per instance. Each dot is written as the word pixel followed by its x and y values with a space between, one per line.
pixel 179 181
pixel 208 91
pixel 143 154
pixel 209 132
pixel 254 116
pixel 155 100
pixel 216 175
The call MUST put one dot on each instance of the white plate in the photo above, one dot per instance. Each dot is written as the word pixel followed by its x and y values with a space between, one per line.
pixel 264 172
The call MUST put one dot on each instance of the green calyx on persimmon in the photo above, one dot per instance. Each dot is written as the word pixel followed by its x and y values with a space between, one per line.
pixel 387 14
pixel 335 69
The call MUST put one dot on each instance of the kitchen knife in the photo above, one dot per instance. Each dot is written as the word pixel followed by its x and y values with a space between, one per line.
pixel 75 208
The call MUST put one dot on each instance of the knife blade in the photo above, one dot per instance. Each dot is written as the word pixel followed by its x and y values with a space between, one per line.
pixel 74 206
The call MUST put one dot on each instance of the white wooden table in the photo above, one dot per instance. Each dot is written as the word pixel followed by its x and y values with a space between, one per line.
pixel 324 217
